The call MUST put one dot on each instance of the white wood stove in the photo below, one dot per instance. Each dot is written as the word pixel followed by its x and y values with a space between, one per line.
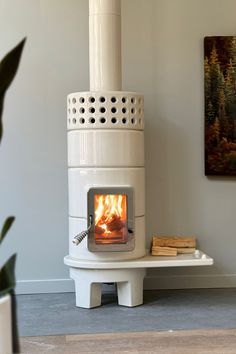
pixel 107 175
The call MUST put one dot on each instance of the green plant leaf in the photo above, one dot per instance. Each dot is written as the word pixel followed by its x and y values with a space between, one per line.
pixel 6 226
pixel 7 276
pixel 8 69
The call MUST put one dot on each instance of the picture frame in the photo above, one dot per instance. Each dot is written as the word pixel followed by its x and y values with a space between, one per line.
pixel 220 105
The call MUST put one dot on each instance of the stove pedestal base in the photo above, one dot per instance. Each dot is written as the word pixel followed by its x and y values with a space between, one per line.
pixel 128 274
pixel 88 283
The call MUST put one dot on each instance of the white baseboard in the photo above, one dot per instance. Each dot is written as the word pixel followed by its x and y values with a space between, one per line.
pixel 49 286
pixel 44 286
pixel 150 283
pixel 190 282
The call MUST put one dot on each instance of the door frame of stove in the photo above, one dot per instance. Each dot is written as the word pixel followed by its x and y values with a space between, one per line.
pixel 121 247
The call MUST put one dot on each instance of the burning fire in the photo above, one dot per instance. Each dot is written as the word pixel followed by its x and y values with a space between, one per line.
pixel 110 214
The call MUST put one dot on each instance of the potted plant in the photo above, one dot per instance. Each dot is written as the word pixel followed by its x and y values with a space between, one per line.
pixel 8 324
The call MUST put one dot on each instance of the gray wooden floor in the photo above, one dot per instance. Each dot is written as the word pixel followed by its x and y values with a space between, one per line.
pixel 208 341
pixel 53 314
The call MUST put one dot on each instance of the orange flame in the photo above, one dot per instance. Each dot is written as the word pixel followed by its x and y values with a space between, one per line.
pixel 110 213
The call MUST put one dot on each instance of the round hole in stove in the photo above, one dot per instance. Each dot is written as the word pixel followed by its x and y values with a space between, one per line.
pixel 113 99
pixel 102 109
pixel 92 99
pixel 91 109
pixel 113 109
pixel 92 120
pixel 102 120
pixel 132 110
pixel 102 99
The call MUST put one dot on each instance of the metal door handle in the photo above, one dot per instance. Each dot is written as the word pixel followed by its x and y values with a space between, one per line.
pixel 79 238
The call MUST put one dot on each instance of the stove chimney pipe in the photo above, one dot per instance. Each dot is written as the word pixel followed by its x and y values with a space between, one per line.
pixel 105 45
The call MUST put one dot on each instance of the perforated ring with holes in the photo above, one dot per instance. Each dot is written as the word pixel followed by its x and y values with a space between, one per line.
pixel 105 110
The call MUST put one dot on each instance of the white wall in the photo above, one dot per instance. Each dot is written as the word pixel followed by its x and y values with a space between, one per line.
pixel 163 58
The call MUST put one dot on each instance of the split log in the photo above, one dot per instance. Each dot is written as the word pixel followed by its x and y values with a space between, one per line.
pixel 174 241
pixel 171 251
pixel 186 250
pixel 115 225
pixel 164 251
pixel 99 230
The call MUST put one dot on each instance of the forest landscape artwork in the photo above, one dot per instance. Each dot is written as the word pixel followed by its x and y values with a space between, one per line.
pixel 220 105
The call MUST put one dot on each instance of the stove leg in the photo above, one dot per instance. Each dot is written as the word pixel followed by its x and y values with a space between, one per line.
pixel 130 293
pixel 88 293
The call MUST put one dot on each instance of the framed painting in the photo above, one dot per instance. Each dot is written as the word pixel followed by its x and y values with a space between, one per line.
pixel 220 105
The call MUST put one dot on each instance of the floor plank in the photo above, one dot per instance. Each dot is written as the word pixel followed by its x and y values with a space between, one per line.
pixel 210 341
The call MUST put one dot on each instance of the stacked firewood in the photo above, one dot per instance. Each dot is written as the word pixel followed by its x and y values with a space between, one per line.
pixel 172 245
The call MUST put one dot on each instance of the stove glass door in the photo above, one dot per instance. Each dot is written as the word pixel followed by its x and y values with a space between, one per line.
pixel 112 213
pixel 110 218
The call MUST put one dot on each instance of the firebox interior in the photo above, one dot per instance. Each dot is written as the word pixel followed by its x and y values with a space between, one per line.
pixel 110 218
pixel 112 213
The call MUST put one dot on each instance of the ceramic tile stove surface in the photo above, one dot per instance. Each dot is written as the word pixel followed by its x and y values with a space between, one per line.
pixel 106 164
pixel 106 175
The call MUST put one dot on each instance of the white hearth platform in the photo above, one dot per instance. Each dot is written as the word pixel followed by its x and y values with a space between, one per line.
pixel 89 276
